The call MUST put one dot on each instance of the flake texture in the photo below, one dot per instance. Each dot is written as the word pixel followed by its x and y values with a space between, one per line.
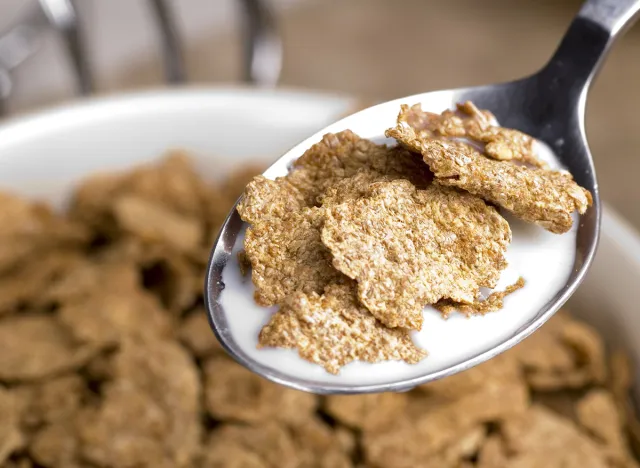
pixel 541 196
pixel 333 330
pixel 407 248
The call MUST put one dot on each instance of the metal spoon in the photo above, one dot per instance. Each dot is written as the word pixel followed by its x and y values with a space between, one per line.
pixel 549 105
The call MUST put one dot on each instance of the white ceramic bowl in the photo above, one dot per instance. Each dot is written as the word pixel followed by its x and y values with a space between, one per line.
pixel 44 155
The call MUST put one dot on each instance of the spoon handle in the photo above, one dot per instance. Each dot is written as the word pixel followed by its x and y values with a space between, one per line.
pixel 587 42
pixel 614 16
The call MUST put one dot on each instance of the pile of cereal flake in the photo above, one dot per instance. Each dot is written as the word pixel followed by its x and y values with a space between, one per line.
pixel 107 359
pixel 358 238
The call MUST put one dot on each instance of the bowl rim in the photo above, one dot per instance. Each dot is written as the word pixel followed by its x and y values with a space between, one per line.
pixel 619 229
pixel 15 128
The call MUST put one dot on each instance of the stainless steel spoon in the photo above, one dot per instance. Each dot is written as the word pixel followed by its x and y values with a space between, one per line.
pixel 549 105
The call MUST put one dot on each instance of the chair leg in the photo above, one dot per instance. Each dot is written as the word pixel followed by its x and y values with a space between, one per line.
pixel 263 47
pixel 174 68
pixel 62 15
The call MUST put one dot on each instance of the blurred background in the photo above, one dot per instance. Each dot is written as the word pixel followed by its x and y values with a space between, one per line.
pixel 372 49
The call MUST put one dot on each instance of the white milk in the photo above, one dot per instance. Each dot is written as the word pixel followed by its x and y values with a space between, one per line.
pixel 545 260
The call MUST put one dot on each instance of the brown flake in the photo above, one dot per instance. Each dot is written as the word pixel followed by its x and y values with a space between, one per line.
pixel 420 436
pixel 500 369
pixel 172 276
pixel 562 402
pixel 333 330
pixel 26 285
pixel 11 437
pixel 20 217
pixel 544 351
pixel 566 354
pixel 585 341
pixel 90 277
pixel 621 376
pixel 492 454
pixel 548 382
pixel 464 446
pixel 219 454
pixel 54 400
pixel 476 125
pixel 16 251
pixel 367 412
pixel 336 157
pixel 598 414
pixel 234 393
pixel 20 461
pixel 351 188
pixel 102 367
pixel 283 244
pixel 264 199
pixel 493 401
pixel 342 155
pixel 288 256
pixel 271 443
pixel 492 303
pixel 152 222
pixel 56 444
pixel 347 439
pixel 547 198
pixel 318 445
pixel 106 318
pixel 311 444
pixel 38 346
pixel 539 435
pixel 28 229
pixel 501 143
pixel 408 248
pixel 196 334
pixel 330 459
pixel 171 185
pixel 150 413
pixel 424 402
pixel 91 201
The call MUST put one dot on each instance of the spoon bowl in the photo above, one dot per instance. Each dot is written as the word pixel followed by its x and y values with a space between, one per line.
pixel 549 105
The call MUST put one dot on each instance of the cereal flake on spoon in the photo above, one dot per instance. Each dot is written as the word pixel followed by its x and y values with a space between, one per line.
pixel 408 248
pixel 358 238
pixel 536 195
pixel 334 329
